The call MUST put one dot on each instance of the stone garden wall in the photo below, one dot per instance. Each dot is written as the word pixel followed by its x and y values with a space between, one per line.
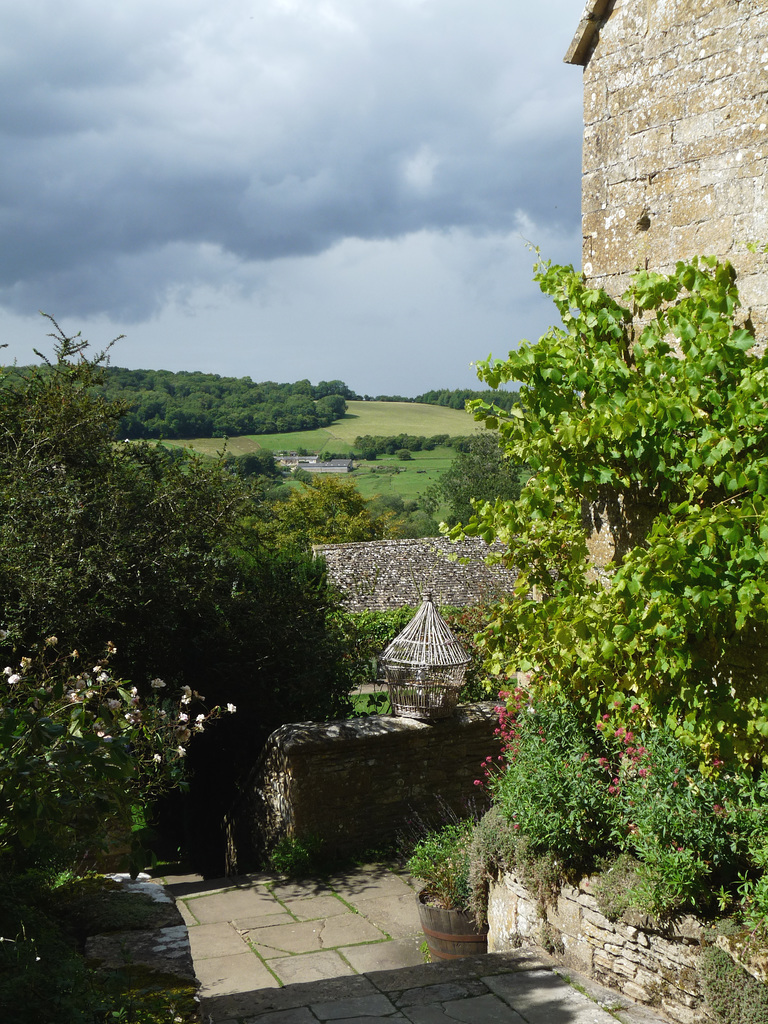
pixel 652 966
pixel 382 574
pixel 355 784
pixel 675 156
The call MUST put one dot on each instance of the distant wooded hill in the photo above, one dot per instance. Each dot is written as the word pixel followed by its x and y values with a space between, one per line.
pixel 458 398
pixel 185 404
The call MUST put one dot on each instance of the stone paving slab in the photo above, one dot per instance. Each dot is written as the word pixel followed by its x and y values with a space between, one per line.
pixel 381 955
pixel 275 917
pixel 307 936
pixel 232 975
pixel 301 1015
pixel 361 1006
pixel 461 971
pixel 485 1009
pixel 546 998
pixel 440 993
pixel 215 940
pixel 328 963
pixel 310 908
pixel 226 906
pixel 357 887
pixel 284 890
pixel 255 1005
pixel 398 916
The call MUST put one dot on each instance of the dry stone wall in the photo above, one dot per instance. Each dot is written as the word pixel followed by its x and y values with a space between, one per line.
pixel 675 138
pixel 355 784
pixel 383 574
pixel 652 966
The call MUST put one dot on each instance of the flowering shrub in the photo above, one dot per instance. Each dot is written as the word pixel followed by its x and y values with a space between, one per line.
pixel 553 784
pixel 586 792
pixel 79 750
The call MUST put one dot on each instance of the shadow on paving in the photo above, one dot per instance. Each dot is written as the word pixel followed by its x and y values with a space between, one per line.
pixel 498 988
pixel 357 881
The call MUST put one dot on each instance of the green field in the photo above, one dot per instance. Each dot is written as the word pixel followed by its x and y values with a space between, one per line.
pixel 411 480
pixel 387 418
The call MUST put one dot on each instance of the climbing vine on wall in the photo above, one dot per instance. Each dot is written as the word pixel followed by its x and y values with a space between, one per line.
pixel 658 403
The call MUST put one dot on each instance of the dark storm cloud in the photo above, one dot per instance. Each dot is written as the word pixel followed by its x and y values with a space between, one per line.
pixel 140 138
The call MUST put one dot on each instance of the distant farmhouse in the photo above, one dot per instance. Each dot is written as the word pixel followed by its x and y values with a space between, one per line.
pixel 313 463
pixel 675 138
pixel 382 574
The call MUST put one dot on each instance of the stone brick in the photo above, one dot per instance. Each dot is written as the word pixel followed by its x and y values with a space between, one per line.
pixel 565 915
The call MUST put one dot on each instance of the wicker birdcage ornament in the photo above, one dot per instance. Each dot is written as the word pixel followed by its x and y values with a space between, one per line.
pixel 424 667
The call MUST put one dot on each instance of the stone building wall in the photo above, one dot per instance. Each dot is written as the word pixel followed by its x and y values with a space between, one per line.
pixel 355 784
pixel 382 574
pixel 675 138
pixel 652 966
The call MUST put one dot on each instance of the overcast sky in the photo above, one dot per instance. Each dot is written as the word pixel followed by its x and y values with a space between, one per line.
pixel 287 188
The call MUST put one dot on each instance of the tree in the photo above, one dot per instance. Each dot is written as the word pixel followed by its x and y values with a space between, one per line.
pixel 655 403
pixel 482 473
pixel 325 510
pixel 331 407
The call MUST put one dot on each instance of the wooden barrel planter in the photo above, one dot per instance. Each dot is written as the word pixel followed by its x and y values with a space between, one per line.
pixel 450 933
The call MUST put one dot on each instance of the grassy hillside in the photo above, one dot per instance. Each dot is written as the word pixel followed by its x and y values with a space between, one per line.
pixel 388 418
pixel 383 418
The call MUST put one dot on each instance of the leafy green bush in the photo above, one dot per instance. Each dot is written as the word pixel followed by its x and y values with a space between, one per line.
pixel 441 860
pixel 497 846
pixel 685 826
pixel 102 541
pixel 299 857
pixel 43 974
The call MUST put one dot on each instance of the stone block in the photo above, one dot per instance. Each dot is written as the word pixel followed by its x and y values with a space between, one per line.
pixel 636 992
pixel 681 1014
pixel 578 953
pixel 565 916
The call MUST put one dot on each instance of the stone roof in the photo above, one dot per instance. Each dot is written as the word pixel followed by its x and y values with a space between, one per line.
pixel 579 50
pixel 382 574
